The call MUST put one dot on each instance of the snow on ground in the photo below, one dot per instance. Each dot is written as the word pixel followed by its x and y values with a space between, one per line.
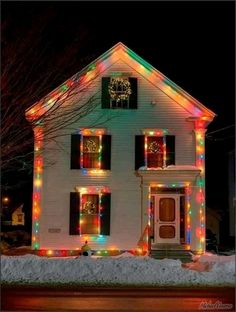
pixel 120 270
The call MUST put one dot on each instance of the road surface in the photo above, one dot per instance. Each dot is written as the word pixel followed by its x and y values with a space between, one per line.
pixel 118 299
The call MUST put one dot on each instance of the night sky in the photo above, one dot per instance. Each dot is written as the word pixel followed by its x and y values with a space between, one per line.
pixel 192 43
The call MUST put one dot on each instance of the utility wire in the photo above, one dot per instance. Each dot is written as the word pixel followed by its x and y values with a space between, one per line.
pixel 221 129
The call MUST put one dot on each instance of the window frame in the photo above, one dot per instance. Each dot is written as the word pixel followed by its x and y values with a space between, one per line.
pixel 120 92
pixel 88 133
pixel 90 153
pixel 84 215
pixel 147 153
pixel 99 191
pixel 160 133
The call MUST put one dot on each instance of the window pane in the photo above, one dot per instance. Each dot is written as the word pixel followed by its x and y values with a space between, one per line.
pixel 90 214
pixel 154 160
pixel 89 224
pixel 91 152
pixel 167 209
pixel 91 144
pixel 90 204
pixel 20 217
pixel 154 152
pixel 120 104
pixel 91 160
pixel 120 90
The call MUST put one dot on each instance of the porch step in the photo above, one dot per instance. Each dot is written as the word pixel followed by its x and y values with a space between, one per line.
pixel 168 247
pixel 182 255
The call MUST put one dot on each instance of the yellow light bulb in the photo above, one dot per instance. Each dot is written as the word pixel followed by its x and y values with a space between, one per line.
pixel 37 182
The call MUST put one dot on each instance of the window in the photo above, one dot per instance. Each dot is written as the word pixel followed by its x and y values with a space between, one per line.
pixel 20 217
pixel 91 149
pixel 90 214
pixel 90 211
pixel 154 150
pixel 119 92
pixel 91 152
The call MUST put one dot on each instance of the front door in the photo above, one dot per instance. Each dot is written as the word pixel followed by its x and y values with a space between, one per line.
pixel 166 219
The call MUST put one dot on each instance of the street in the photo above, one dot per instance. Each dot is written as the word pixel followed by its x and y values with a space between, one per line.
pixel 117 299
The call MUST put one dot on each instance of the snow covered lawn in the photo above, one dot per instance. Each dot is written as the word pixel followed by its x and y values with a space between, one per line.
pixel 211 270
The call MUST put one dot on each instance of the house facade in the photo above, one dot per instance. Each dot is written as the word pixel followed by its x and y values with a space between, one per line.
pixel 18 216
pixel 129 173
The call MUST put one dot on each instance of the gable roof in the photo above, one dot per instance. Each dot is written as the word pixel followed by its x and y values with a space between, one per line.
pixel 120 51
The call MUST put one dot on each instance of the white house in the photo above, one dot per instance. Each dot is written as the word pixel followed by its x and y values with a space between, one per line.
pixel 18 216
pixel 130 171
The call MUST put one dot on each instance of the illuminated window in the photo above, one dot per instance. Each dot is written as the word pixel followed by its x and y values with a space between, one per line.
pixel 20 217
pixel 119 92
pixel 155 152
pixel 90 214
pixel 91 150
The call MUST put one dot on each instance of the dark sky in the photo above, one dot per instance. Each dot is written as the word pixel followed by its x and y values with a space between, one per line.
pixel 192 43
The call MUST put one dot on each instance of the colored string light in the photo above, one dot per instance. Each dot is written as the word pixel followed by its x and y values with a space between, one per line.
pixel 114 54
pixel 200 163
pixel 188 236
pixel 38 165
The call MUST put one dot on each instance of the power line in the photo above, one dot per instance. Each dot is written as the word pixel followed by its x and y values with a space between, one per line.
pixel 221 129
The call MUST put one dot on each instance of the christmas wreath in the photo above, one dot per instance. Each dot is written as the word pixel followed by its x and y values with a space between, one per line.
pixel 154 147
pixel 119 89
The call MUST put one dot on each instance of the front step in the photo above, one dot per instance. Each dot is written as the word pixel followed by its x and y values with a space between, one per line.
pixel 168 247
pixel 182 255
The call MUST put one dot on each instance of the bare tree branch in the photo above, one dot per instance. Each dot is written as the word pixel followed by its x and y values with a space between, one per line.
pixel 30 70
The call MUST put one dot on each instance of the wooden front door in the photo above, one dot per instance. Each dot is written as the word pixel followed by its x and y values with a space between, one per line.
pixel 166 219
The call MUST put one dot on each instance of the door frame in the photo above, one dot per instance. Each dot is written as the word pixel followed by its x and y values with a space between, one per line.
pixel 157 223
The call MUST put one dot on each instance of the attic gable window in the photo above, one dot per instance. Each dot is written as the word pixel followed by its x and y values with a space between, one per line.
pixel 119 92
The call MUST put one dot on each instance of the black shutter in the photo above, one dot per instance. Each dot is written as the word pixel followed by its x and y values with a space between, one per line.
pixel 133 99
pixel 170 150
pixel 105 92
pixel 74 213
pixel 105 214
pixel 75 151
pixel 139 151
pixel 106 152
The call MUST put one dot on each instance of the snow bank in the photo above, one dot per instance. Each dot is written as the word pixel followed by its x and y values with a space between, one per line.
pixel 209 257
pixel 126 270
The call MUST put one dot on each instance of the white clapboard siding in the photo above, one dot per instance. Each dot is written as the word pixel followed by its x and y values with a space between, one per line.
pixel 59 180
